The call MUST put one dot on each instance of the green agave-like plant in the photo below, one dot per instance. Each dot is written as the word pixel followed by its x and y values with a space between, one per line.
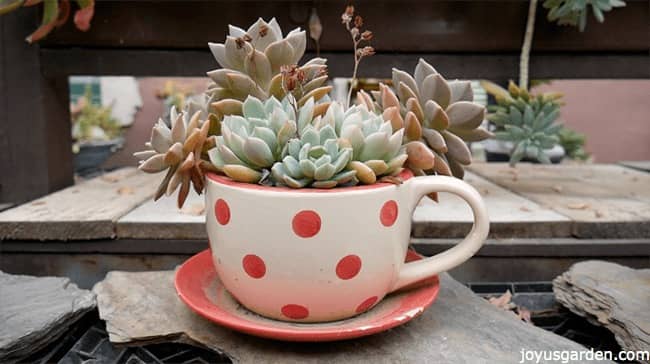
pixel 574 12
pixel 377 150
pixel 528 121
pixel 252 61
pixel 314 160
pixel 438 118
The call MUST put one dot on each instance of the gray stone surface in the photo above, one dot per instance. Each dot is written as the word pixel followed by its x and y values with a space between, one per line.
pixel 458 328
pixel 609 295
pixel 35 311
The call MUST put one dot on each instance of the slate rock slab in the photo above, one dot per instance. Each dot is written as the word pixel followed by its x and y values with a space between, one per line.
pixel 609 295
pixel 34 311
pixel 460 327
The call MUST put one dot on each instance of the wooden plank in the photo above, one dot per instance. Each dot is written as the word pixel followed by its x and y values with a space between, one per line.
pixel 163 220
pixel 638 165
pixel 510 215
pixel 604 201
pixel 84 211
pixel 404 26
pixel 543 247
pixel 536 247
pixel 498 67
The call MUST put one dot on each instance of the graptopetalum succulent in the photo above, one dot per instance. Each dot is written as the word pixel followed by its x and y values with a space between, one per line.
pixel 437 116
pixel 252 62
pixel 268 120
pixel 181 151
pixel 528 121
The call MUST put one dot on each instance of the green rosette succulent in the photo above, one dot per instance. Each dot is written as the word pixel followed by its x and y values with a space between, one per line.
pixel 314 160
pixel 528 121
pixel 251 143
pixel 377 150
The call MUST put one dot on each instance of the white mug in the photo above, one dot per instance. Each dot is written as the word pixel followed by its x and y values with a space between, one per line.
pixel 314 255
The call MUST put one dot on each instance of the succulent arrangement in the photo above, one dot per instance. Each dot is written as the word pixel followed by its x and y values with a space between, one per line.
pixel 574 12
pixel 528 121
pixel 266 119
pixel 55 14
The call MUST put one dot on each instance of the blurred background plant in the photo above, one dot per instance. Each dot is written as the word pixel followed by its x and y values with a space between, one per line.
pixel 55 14
pixel 574 12
pixel 95 132
pixel 573 144
pixel 525 125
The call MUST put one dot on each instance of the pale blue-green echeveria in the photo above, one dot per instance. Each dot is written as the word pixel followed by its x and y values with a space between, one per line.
pixel 377 150
pixel 252 142
pixel 315 160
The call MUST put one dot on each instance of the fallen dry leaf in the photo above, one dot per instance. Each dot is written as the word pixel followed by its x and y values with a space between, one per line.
pixel 125 190
pixel 503 301
pixel 578 206
pixel 524 314
pixel 598 214
pixel 195 209
pixel 110 179
pixel 557 189
pixel 38 203
pixel 525 209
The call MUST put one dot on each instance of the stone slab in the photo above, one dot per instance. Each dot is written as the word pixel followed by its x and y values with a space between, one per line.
pixel 602 200
pixel 35 311
pixel 459 327
pixel 87 210
pixel 610 295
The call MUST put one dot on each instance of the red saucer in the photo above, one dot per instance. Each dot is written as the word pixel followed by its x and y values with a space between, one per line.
pixel 199 287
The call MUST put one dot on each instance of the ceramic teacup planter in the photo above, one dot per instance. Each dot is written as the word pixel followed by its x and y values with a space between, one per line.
pixel 315 255
pixel 309 200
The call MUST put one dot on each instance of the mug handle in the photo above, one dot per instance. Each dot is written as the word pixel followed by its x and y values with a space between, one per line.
pixel 418 187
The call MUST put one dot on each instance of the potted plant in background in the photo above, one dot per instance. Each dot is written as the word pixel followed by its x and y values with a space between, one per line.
pixel 309 201
pixel 95 132
pixel 525 124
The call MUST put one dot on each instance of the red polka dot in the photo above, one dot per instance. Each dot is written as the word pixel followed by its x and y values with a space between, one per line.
pixel 365 305
pixel 222 212
pixel 348 267
pixel 388 213
pixel 254 266
pixel 296 312
pixel 306 223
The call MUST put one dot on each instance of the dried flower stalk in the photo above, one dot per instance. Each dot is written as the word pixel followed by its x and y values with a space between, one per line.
pixel 353 24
